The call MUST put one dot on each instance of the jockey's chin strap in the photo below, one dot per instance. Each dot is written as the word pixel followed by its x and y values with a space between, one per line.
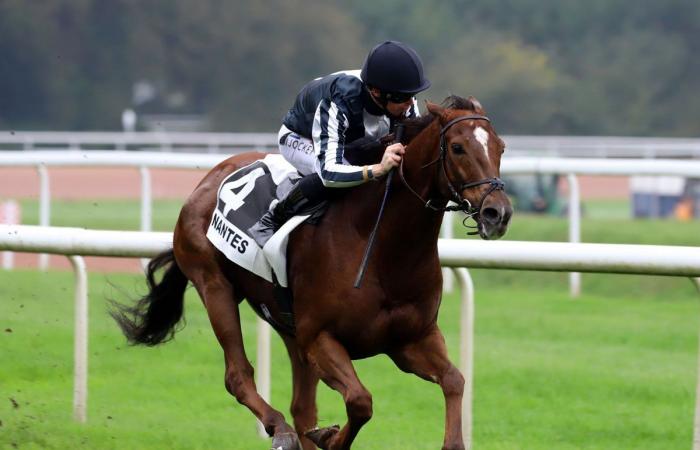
pixel 462 204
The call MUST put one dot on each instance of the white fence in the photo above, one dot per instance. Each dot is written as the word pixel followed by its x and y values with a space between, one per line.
pixel 166 142
pixel 608 258
pixel 569 146
pixel 146 160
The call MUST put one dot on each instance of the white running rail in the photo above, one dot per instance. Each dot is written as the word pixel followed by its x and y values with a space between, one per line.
pixel 568 146
pixel 571 167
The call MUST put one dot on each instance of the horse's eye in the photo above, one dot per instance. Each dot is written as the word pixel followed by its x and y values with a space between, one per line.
pixel 457 148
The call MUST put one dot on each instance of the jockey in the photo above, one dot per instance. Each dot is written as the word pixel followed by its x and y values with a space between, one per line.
pixel 339 115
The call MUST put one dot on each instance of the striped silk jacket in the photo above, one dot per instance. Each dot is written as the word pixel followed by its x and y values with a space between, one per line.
pixel 333 111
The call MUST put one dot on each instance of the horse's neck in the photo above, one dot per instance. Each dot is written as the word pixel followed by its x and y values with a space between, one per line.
pixel 406 219
pixel 421 177
pixel 411 221
pixel 421 168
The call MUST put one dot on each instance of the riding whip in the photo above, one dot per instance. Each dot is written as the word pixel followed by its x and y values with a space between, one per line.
pixel 370 242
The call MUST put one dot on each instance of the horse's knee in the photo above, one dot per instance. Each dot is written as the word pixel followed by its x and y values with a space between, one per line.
pixel 239 383
pixel 452 382
pixel 359 405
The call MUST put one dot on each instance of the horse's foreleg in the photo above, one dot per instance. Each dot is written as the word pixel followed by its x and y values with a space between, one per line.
pixel 304 386
pixel 427 358
pixel 335 368
pixel 217 295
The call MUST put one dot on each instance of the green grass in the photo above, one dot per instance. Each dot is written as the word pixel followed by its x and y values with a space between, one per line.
pixel 607 209
pixel 614 369
pixel 103 214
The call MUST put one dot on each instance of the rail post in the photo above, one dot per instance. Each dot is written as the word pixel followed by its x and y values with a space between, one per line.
pixel 574 230
pixel 146 204
pixel 466 350
pixel 80 347
pixel 44 208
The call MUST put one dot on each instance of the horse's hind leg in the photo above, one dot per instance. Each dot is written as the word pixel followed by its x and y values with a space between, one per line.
pixel 304 386
pixel 427 358
pixel 217 294
pixel 334 365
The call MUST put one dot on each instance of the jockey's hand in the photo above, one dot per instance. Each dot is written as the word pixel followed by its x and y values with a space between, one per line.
pixel 391 158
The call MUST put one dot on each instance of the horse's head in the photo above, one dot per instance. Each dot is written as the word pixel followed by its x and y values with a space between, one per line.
pixel 470 155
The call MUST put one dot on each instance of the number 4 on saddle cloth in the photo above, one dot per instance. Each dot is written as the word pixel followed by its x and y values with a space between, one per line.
pixel 242 199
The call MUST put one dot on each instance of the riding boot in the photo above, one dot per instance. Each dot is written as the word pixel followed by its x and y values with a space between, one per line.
pixel 306 197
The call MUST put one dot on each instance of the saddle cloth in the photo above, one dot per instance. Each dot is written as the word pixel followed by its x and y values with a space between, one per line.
pixel 243 197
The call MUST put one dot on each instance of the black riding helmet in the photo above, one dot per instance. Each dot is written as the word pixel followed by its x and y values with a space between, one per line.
pixel 393 67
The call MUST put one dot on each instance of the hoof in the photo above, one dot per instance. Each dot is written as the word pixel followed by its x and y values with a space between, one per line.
pixel 286 441
pixel 322 436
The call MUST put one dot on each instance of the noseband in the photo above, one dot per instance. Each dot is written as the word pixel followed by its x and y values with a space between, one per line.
pixel 462 204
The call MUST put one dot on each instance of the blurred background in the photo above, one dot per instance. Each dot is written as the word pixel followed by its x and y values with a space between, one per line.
pixel 586 83
pixel 558 68
pixel 540 67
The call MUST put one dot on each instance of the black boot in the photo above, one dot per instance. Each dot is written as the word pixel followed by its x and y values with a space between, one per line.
pixel 307 196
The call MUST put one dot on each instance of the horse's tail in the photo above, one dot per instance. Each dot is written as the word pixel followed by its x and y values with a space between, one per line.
pixel 153 319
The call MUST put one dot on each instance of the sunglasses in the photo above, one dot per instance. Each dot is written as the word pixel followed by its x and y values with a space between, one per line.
pixel 399 97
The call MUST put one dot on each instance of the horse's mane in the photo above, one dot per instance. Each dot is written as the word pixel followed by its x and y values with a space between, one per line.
pixel 457 102
pixel 415 125
pixel 372 153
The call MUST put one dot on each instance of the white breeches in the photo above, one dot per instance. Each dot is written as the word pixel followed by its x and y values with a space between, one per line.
pixel 297 150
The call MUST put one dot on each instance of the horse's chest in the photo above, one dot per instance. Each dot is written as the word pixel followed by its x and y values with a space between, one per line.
pixel 388 329
pixel 408 322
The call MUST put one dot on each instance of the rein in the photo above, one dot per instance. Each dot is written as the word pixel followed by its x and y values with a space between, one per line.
pixel 462 204
pixel 373 234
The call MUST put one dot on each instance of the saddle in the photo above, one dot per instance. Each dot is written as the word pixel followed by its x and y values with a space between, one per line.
pixel 242 199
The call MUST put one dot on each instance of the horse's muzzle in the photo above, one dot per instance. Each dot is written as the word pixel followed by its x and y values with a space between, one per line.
pixel 494 217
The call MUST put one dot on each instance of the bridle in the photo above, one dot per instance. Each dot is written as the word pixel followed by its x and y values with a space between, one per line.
pixel 462 204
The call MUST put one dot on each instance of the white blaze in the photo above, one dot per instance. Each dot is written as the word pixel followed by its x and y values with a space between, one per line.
pixel 482 136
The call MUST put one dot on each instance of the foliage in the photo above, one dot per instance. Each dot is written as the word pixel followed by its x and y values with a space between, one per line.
pixel 539 66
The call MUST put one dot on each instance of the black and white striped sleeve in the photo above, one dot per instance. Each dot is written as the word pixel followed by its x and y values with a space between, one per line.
pixel 328 135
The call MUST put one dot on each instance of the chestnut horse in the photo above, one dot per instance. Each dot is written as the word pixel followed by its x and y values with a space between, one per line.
pixel 453 154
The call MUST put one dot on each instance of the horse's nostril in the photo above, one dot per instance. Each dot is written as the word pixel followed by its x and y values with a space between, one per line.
pixel 490 215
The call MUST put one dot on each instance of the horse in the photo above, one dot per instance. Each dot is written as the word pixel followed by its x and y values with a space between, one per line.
pixel 452 154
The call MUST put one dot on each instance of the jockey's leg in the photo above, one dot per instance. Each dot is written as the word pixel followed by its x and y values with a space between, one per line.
pixel 307 193
pixel 306 197
pixel 333 364
pixel 427 358
pixel 217 295
pixel 304 385
pixel 297 150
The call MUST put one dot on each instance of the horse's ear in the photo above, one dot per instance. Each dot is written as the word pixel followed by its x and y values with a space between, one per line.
pixel 476 105
pixel 435 109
